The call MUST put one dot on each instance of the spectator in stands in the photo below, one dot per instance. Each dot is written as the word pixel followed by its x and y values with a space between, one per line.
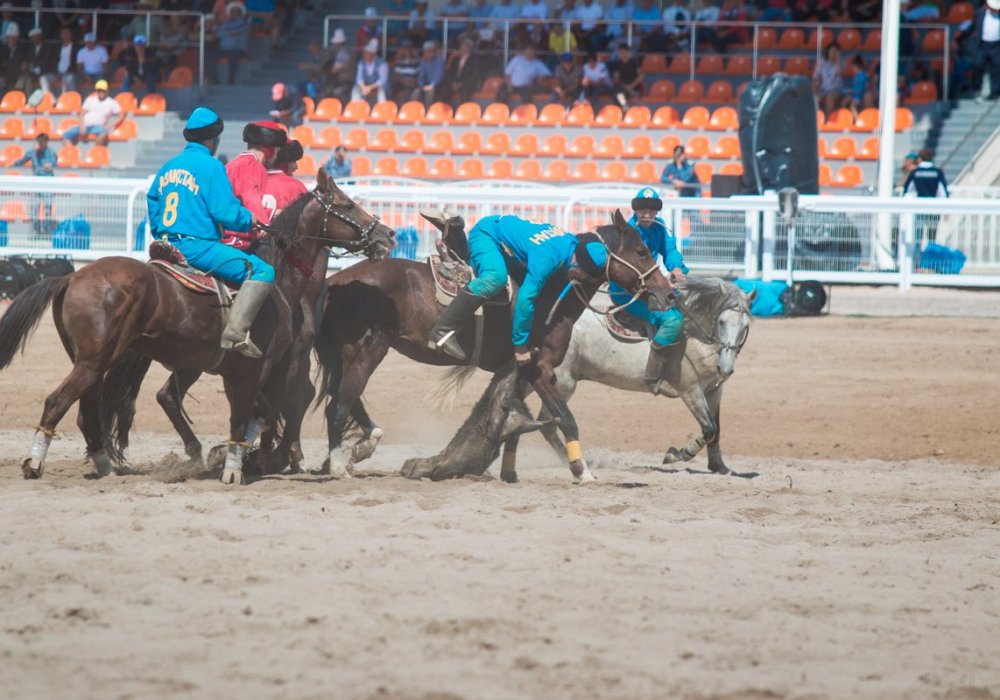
pixel 338 165
pixel 398 24
pixel 534 9
pixel 676 24
pixel 101 116
pixel 8 21
pixel 455 11
pixel 984 45
pixel 66 65
pixel 372 77
pixel 479 11
pixel 706 18
pixel 924 11
pixel 626 76
pixel 648 15
pixel 42 59
pixel 422 25
pixel 565 10
pixel 463 75
pixel 370 29
pixel 175 39
pixel 569 79
pixel 864 10
pixel 403 76
pixel 591 33
pixel 616 15
pixel 734 11
pixel 523 73
pixel 926 180
pixel 281 109
pixel 430 73
pixel 141 64
pixel 152 30
pixel 680 175
pixel 506 9
pixel 862 96
pixel 313 69
pixel 234 36
pixel 340 74
pixel 596 81
pixel 776 11
pixel 43 164
pixel 560 41
pixel 13 56
pixel 828 81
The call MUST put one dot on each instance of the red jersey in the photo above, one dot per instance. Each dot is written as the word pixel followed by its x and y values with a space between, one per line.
pixel 282 189
pixel 248 176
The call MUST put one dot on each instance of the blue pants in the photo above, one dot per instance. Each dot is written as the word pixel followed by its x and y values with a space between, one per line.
pixel 487 259
pixel 223 261
pixel 668 324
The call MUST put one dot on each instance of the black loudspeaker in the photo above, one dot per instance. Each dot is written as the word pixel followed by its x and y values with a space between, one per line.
pixel 778 135
pixel 726 185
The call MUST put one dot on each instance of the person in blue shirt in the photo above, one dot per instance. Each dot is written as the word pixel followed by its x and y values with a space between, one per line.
pixel 494 241
pixel 679 173
pixel 188 202
pixel 43 164
pixel 666 347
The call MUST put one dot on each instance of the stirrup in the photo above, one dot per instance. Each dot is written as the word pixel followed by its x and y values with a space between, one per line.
pixel 244 346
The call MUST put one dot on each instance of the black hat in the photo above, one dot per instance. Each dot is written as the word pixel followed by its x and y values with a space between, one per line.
pixel 647 198
pixel 264 134
pixel 202 125
pixel 289 153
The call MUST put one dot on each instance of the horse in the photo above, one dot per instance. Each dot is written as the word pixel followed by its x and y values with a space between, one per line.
pixel 717 325
pixel 370 309
pixel 117 315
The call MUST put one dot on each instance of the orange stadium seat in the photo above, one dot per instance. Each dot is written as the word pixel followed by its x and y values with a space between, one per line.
pixel 69 157
pixel 97 157
pixel 960 12
pixel 680 64
pixel 768 65
pixel 710 65
pixel 581 115
pixel 126 131
pixel 639 147
pixel 719 91
pixel 444 168
pixel 867 120
pixel 497 144
pixel 307 166
pixel 636 117
pixel 469 143
pixel 838 120
pixel 798 65
pixel 472 169
pixel 438 113
pixel 933 41
pixel 415 167
pixel 384 140
pixel 356 140
pixel 495 114
pixel 704 172
pixel 125 100
pixel 869 149
pixel 923 92
pixel 13 210
pixel 152 104
pixel 585 171
pixel 556 171
pixel 841 149
pixel 848 176
pixel 489 89
pixel 529 169
pixel 383 113
pixel 525 145
pixel 695 118
pixel 821 147
pixel 467 113
pixel 43 107
pixel 412 141
pixel 65 125
pixel 792 39
pixel 731 168
pixel 766 37
pixel 68 103
pixel 328 137
pixel 386 165
pixel 583 146
pixel 501 169
pixel 180 77
pixel 611 147
pixel 654 63
pixel 664 118
pixel 724 119
pixel 645 171
pixel 440 142
pixel 665 147
pixel 551 115
pixel 615 171
pixel 12 128
pixel 726 148
pixel 691 91
pixel 523 115
pixel 554 146
pixel 661 91
pixel 9 154
pixel 41 125
pixel 361 166
pixel 697 147
pixel 355 111
pixel 825 176
pixel 304 135
pixel 739 65
pixel 824 35
pixel 410 113
pixel 904 119
pixel 610 115
pixel 310 105
pixel 873 41
pixel 13 101
pixel 849 39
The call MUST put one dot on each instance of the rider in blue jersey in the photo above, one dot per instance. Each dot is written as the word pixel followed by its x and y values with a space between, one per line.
pixel 493 242
pixel 667 347
pixel 189 200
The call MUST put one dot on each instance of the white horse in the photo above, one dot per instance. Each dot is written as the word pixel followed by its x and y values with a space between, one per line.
pixel 717 322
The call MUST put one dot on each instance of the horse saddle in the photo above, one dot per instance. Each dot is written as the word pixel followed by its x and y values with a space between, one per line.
pixel 451 275
pixel 626 328
pixel 167 258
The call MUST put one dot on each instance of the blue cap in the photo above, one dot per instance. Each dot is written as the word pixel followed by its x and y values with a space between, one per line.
pixel 567 57
pixel 203 124
pixel 597 252
pixel 591 255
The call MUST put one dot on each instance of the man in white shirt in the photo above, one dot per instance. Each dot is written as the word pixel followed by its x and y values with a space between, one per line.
pixel 92 58
pixel 372 77
pixel 67 59
pixel 101 116
pixel 523 71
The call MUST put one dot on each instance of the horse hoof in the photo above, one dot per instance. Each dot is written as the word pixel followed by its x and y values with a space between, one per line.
pixel 581 472
pixel 321 471
pixel 232 476
pixel 508 477
pixel 673 456
pixel 366 448
pixel 29 471
pixel 102 463
pixel 719 469
pixel 339 463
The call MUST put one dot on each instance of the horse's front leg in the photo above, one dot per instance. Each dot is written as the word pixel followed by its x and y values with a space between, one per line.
pixel 697 403
pixel 244 426
pixel 715 462
pixel 543 380
pixel 508 463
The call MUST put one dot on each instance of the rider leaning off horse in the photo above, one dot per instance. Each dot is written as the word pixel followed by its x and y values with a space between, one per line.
pixel 543 249
pixel 189 200
pixel 667 346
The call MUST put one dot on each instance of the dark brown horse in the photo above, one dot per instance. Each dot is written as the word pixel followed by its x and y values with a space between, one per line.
pixel 371 308
pixel 117 315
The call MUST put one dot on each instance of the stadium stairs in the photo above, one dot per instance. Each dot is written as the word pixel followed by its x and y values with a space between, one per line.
pixel 962 132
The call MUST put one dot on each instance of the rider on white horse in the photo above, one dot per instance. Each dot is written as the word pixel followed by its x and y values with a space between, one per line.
pixel 667 346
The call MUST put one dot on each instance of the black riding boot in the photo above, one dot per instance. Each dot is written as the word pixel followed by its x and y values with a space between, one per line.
pixel 664 364
pixel 458 313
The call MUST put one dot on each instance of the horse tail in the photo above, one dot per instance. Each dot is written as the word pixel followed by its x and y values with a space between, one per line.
pixel 121 386
pixel 443 395
pixel 24 314
pixel 326 342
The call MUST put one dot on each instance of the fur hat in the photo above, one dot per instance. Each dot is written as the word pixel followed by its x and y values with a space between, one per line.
pixel 264 134
pixel 202 125
pixel 289 153
pixel 591 254
pixel 647 198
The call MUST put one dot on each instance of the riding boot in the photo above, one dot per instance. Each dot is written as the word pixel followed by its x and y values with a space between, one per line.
pixel 664 364
pixel 236 336
pixel 458 313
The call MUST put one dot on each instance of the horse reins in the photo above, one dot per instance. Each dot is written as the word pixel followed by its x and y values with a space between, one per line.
pixel 643 276
pixel 363 231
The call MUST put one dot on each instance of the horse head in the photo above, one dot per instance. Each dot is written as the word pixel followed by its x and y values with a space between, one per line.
pixel 717 313
pixel 631 265
pixel 346 223
pixel 733 327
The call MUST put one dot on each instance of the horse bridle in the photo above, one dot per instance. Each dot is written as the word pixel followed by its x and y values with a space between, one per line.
pixel 643 276
pixel 329 209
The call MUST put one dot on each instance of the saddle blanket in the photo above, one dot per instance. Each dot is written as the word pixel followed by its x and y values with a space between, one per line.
pixel 167 258
pixel 450 276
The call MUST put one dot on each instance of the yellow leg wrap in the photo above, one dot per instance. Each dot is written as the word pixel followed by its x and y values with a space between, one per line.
pixel 574 450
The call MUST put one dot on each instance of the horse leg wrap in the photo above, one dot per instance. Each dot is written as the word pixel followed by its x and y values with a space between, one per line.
pixel 574 450
pixel 255 426
pixel 40 446
pixel 234 456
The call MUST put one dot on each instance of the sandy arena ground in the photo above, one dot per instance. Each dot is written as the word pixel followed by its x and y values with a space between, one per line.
pixel 861 561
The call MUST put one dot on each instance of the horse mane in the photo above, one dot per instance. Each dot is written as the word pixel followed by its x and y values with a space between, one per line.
pixel 707 297
pixel 611 236
pixel 287 219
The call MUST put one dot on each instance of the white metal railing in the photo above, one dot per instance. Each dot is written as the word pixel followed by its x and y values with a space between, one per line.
pixel 837 239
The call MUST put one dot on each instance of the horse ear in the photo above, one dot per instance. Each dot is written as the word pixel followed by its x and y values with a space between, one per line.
pixel 323 181
pixel 619 221
pixel 751 296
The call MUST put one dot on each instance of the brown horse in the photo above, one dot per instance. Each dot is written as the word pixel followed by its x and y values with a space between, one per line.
pixel 369 309
pixel 117 315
